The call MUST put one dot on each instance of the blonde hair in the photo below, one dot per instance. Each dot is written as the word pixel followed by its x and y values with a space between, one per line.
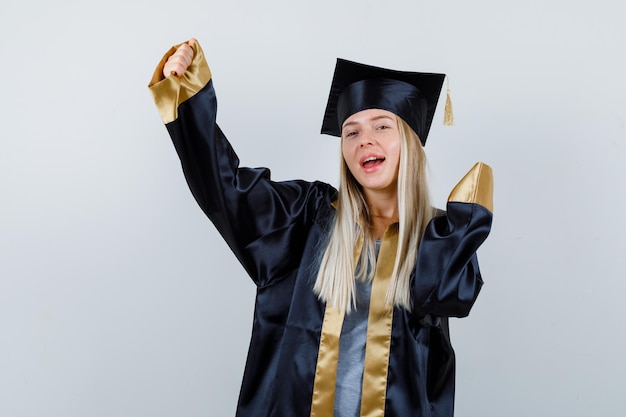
pixel 339 268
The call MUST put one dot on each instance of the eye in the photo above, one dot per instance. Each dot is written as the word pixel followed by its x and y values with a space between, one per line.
pixel 350 133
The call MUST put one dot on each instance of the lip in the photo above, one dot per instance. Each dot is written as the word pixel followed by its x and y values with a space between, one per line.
pixel 370 169
pixel 370 155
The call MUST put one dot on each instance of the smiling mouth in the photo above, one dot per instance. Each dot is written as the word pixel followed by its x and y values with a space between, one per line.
pixel 372 161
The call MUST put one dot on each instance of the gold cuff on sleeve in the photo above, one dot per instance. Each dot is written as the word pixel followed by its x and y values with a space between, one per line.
pixel 475 187
pixel 170 92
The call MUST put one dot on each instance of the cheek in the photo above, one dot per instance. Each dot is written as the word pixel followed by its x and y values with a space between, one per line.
pixel 396 149
pixel 346 152
pixel 397 155
pixel 348 161
pixel 395 152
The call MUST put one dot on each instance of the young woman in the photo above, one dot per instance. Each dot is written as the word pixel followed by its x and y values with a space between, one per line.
pixel 355 287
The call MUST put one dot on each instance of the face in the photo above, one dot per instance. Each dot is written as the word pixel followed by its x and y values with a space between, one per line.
pixel 370 143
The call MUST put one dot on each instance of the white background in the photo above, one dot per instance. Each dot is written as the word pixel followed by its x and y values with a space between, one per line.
pixel 117 296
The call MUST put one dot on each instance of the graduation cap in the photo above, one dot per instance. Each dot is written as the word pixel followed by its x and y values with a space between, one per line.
pixel 413 96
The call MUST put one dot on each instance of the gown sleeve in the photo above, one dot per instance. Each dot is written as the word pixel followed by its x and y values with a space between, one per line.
pixel 446 278
pixel 264 222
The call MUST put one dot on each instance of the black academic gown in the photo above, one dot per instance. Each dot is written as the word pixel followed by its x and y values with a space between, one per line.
pixel 277 230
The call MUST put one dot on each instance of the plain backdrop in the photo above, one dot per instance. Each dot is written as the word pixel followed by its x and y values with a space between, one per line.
pixel 117 295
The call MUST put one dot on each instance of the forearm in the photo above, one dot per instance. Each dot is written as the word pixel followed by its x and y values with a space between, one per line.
pixel 254 214
pixel 447 277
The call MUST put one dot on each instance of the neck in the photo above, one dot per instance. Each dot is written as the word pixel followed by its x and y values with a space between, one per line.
pixel 383 209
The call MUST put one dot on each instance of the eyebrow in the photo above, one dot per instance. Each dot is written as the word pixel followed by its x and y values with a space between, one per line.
pixel 373 119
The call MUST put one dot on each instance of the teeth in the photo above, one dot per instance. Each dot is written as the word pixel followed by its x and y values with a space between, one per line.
pixel 371 158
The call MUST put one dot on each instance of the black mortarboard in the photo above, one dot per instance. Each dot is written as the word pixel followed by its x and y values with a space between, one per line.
pixel 411 95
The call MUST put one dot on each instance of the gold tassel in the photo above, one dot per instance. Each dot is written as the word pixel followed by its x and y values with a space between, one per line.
pixel 448 115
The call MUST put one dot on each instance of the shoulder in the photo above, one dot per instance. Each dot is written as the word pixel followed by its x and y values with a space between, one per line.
pixel 326 197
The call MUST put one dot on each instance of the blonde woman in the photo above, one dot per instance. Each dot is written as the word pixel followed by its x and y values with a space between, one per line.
pixel 355 286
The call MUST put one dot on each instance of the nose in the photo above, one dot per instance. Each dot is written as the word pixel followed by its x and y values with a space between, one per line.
pixel 366 139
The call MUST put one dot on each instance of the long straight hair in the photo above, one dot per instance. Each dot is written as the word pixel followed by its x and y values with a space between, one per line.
pixel 339 268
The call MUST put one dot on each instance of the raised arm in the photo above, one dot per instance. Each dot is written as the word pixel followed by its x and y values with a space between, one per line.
pixel 264 222
pixel 447 279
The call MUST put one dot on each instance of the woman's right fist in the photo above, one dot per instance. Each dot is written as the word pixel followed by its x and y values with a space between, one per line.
pixel 178 63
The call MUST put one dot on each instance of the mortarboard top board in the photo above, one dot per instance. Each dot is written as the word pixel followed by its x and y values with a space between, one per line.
pixel 413 96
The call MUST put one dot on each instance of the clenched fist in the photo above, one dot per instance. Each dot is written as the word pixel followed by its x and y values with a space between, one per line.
pixel 178 63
